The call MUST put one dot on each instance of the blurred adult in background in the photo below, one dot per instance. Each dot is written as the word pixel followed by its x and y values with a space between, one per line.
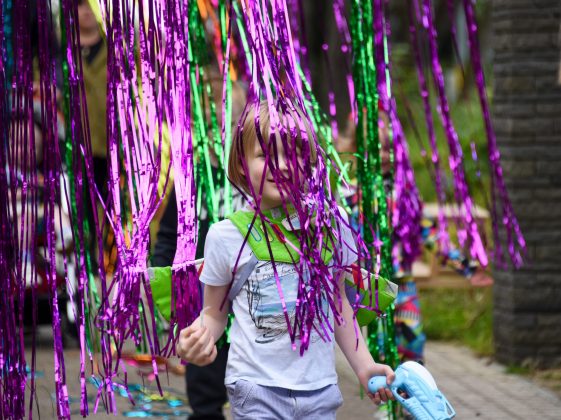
pixel 94 65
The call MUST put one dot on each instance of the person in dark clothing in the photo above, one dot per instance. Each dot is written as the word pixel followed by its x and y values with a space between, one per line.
pixel 205 385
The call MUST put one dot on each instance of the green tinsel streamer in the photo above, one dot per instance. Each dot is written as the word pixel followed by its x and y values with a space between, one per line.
pixel 372 197
pixel 198 53
pixel 225 22
pixel 390 350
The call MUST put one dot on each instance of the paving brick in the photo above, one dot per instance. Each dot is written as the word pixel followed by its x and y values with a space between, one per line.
pixel 480 389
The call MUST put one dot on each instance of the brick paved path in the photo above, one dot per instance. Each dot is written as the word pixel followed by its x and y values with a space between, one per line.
pixel 476 389
pixel 484 391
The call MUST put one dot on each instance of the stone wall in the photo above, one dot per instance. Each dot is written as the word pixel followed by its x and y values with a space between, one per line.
pixel 527 117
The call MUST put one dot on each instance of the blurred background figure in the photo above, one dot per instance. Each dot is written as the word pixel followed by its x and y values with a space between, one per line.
pixel 205 385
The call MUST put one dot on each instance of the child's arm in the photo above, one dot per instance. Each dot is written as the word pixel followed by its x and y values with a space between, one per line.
pixel 359 357
pixel 197 342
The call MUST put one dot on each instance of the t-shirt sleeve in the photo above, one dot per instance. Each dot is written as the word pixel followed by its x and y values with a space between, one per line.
pixel 348 242
pixel 216 268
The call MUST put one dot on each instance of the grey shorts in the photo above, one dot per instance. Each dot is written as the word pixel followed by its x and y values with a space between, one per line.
pixel 255 402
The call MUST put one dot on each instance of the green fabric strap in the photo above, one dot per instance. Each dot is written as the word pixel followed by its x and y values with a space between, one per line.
pixel 160 284
pixel 282 240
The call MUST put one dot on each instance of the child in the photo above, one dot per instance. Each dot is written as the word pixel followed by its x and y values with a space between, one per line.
pixel 265 377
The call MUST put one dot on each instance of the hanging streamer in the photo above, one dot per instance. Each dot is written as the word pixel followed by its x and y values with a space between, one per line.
pixel 443 238
pixel 515 241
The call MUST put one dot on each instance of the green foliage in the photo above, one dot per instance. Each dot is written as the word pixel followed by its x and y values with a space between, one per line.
pixel 518 370
pixel 460 315
pixel 466 116
pixel 469 126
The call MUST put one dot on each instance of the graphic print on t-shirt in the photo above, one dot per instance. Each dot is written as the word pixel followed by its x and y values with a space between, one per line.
pixel 265 305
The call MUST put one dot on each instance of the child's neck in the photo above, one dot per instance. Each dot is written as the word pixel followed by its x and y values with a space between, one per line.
pixel 265 208
pixel 276 208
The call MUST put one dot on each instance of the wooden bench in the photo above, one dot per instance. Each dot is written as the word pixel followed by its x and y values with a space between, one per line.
pixel 429 273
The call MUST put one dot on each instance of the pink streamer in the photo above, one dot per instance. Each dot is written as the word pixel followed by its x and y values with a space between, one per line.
pixel 515 241
pixel 407 211
pixel 468 234
pixel 443 237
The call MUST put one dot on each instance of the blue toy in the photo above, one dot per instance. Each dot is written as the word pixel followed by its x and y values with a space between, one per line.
pixel 424 401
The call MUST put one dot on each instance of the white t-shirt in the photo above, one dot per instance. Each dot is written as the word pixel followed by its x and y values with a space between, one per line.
pixel 260 349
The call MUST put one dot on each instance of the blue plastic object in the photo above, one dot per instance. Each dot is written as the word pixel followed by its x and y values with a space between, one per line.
pixel 424 401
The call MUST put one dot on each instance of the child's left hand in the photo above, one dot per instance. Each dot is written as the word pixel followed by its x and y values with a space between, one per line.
pixel 377 369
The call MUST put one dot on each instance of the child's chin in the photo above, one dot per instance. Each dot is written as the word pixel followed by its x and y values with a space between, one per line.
pixel 273 200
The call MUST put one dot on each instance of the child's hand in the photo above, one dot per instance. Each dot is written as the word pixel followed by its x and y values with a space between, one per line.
pixel 196 345
pixel 377 369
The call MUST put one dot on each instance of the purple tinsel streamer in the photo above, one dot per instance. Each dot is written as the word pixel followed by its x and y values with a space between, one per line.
pixel 443 237
pixel 468 233
pixel 135 95
pixel 20 162
pixel 261 42
pixel 514 234
pixel 451 8
pixel 406 216
pixel 79 134
pixel 275 78
pixel 52 171
pixel 346 49
pixel 19 184
pixel 12 360
pixel 12 286
pixel 186 299
pixel 330 93
pixel 298 29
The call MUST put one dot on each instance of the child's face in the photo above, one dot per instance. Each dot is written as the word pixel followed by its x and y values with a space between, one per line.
pixel 259 170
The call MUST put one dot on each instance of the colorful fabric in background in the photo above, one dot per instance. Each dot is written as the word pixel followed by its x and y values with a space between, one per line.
pixel 454 258
pixel 409 334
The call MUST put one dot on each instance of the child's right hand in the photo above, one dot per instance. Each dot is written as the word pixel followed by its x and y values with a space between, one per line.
pixel 377 369
pixel 196 345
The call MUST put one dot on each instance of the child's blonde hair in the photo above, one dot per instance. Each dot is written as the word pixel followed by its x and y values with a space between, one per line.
pixel 243 142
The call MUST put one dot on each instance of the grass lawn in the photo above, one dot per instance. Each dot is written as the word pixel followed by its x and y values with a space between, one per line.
pixel 464 316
